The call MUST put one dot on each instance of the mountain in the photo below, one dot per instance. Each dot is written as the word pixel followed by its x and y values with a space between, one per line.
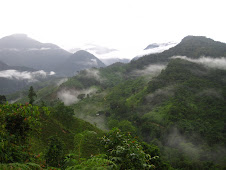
pixel 109 61
pixel 151 46
pixel 155 48
pixel 197 46
pixel 20 50
pixel 190 46
pixel 4 66
pixel 167 99
pixel 160 45
pixel 16 78
pixel 78 61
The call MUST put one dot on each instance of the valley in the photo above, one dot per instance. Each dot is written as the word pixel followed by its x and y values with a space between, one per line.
pixel 164 110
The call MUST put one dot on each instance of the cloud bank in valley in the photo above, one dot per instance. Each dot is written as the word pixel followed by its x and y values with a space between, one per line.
pixel 219 63
pixel 129 53
pixel 69 96
pixel 24 75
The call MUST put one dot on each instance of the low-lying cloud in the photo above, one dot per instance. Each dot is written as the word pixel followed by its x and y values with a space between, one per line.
pixel 160 95
pixel 151 70
pixel 98 120
pixel 24 75
pixel 61 81
pixel 93 73
pixel 160 48
pixel 69 96
pixel 176 140
pixel 219 63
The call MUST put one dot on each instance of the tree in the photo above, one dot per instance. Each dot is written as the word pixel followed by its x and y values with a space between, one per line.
pixel 126 151
pixel 31 95
pixel 55 154
pixel 18 124
pixel 2 99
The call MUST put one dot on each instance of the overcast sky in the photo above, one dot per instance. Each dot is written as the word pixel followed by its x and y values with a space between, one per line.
pixel 118 24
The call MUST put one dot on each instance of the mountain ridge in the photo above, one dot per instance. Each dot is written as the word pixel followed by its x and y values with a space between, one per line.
pixel 20 50
pixel 80 60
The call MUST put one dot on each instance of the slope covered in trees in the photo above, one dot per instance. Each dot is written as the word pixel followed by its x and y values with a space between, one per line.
pixel 176 104
pixel 35 137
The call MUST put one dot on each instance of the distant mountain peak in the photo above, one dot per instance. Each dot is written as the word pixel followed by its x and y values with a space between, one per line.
pixel 151 46
pixel 190 38
pixel 82 52
pixel 80 60
pixel 160 45
pixel 23 42
pixel 18 35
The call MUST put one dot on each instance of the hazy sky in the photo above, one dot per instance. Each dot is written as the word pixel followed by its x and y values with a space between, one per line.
pixel 119 24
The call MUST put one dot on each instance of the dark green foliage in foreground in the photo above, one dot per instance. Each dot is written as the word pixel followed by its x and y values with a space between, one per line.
pixel 18 124
pixel 128 153
pixel 55 152
pixel 118 151
pixel 25 139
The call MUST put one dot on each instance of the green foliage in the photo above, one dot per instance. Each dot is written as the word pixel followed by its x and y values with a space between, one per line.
pixel 61 111
pixel 113 75
pixel 16 166
pixel 185 96
pixel 18 123
pixel 81 96
pixel 87 144
pixel 55 153
pixel 124 126
pixel 126 151
pixel 95 162
pixel 31 95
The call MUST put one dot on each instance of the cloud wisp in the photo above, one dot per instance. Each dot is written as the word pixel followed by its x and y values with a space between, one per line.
pixel 94 73
pixel 25 75
pixel 69 96
pixel 151 70
pixel 218 63
pixel 61 81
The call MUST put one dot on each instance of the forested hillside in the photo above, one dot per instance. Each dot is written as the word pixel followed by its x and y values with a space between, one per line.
pixel 170 109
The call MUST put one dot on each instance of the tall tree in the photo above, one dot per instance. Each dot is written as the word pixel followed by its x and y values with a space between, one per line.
pixel 31 95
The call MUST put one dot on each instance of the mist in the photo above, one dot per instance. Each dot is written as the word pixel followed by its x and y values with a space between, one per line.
pixel 61 81
pixel 69 96
pixel 151 70
pixel 25 75
pixel 218 63
pixel 160 95
pixel 194 151
pixel 161 47
pixel 93 73
pixel 98 120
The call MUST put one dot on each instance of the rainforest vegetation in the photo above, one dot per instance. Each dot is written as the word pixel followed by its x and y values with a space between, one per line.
pixel 157 112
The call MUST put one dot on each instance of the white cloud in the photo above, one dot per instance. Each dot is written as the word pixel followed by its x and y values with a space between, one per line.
pixel 52 73
pixel 24 75
pixel 61 81
pixel 151 70
pixel 219 63
pixel 94 61
pixel 70 96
